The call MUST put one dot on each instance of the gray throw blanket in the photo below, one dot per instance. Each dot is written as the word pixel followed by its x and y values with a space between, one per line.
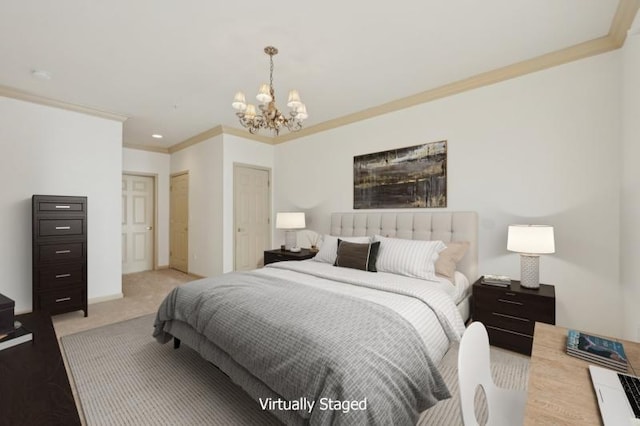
pixel 356 361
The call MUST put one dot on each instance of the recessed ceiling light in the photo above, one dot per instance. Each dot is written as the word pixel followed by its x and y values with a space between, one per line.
pixel 157 136
pixel 41 74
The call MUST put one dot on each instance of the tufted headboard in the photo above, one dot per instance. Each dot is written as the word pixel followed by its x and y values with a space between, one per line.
pixel 445 226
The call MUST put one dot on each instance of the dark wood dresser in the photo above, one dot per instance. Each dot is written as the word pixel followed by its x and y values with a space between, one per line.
pixel 59 253
pixel 510 313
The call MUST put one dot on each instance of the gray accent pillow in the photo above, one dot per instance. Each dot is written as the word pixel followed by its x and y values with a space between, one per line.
pixel 357 256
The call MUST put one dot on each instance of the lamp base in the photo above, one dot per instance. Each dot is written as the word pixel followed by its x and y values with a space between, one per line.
pixel 290 239
pixel 529 271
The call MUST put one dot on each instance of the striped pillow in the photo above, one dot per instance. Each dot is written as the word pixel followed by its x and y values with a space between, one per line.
pixel 412 258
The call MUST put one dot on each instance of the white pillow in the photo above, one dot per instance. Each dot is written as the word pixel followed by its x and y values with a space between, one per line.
pixel 329 248
pixel 412 258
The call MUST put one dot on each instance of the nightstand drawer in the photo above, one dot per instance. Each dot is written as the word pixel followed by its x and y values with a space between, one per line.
pixel 509 339
pixel 60 206
pixel 517 323
pixel 516 304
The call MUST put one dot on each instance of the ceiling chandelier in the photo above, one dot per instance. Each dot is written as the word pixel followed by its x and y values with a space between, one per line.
pixel 269 116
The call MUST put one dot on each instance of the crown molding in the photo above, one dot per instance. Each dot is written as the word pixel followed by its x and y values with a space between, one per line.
pixel 10 92
pixel 622 21
pixel 149 148
pixel 217 131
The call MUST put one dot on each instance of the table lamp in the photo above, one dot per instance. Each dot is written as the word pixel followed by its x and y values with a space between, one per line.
pixel 290 221
pixel 530 241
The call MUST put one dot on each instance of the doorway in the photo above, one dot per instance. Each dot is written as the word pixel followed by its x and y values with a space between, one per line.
pixel 251 215
pixel 179 222
pixel 138 207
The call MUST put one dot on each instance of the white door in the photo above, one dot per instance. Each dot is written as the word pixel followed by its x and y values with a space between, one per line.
pixel 137 223
pixel 179 223
pixel 252 216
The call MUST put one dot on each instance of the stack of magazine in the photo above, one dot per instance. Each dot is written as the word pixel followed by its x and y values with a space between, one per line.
pixel 599 350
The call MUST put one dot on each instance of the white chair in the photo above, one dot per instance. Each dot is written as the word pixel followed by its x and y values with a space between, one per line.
pixel 506 406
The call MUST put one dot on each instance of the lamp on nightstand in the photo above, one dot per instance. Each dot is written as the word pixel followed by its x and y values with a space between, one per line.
pixel 290 221
pixel 530 241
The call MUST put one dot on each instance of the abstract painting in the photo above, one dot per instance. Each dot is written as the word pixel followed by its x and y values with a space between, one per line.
pixel 411 177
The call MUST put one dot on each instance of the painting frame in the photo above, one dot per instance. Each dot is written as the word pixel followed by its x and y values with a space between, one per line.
pixel 409 177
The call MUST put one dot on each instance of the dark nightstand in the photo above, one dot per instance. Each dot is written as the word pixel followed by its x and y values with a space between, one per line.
pixel 510 313
pixel 34 387
pixel 277 255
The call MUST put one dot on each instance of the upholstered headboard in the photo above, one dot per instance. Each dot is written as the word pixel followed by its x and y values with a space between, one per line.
pixel 445 226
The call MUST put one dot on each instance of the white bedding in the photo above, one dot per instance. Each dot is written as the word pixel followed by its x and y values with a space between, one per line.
pixel 352 281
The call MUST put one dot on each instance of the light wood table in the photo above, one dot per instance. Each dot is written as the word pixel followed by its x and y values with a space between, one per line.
pixel 560 390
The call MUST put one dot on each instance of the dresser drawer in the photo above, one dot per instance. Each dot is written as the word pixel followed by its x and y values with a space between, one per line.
pixel 48 277
pixel 58 227
pixel 60 206
pixel 509 339
pixel 516 323
pixel 61 300
pixel 59 252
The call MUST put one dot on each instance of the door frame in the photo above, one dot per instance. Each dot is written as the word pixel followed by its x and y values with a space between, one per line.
pixel 269 202
pixel 154 215
pixel 171 176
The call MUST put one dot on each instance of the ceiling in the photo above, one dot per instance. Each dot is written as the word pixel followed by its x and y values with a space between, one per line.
pixel 173 67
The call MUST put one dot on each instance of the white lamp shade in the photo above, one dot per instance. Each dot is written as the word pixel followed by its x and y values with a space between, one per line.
pixel 290 220
pixel 294 99
pixel 301 112
pixel 532 239
pixel 250 112
pixel 239 102
pixel 264 94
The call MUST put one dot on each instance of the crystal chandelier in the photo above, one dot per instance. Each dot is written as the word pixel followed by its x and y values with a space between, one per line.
pixel 269 116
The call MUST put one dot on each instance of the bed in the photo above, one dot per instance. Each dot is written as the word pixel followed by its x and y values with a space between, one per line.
pixel 318 344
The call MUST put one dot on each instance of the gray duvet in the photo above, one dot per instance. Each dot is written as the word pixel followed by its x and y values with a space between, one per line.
pixel 329 358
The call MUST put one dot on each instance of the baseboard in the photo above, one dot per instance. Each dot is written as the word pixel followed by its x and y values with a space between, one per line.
pixel 105 298
pixel 162 267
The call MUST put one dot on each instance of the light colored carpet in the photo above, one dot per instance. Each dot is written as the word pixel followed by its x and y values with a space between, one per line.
pixel 124 377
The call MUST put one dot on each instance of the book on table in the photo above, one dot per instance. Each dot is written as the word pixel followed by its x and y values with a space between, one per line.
pixel 497 280
pixel 20 335
pixel 600 350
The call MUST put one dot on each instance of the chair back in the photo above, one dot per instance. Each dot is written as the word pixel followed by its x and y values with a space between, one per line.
pixel 474 370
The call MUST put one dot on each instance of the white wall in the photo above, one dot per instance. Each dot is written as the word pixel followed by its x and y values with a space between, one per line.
pixel 543 148
pixel 157 164
pixel 241 151
pixel 57 152
pixel 630 193
pixel 203 161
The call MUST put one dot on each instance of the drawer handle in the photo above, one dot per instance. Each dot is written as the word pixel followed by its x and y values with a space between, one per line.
pixel 510 294
pixel 510 301
pixel 63 275
pixel 510 316
pixel 509 331
pixel 63 299
pixel 63 251
pixel 62 227
pixel 63 207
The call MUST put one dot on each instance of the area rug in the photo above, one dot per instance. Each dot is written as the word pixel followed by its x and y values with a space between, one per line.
pixel 124 377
